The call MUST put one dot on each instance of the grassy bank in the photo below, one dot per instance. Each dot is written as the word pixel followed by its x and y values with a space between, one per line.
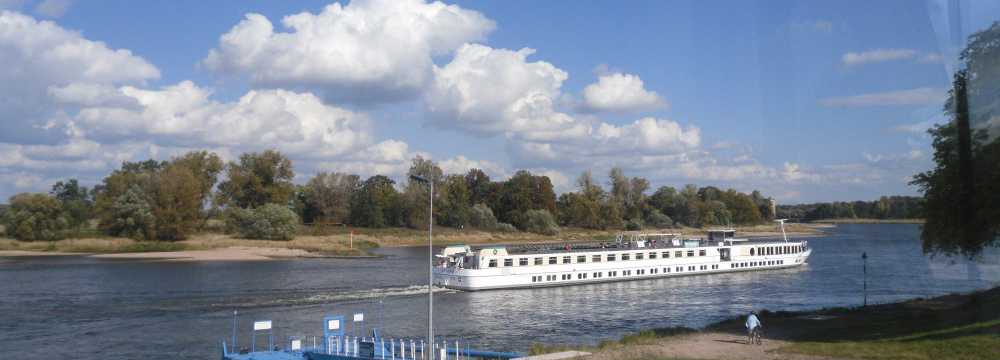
pixel 957 326
pixel 339 241
pixel 869 221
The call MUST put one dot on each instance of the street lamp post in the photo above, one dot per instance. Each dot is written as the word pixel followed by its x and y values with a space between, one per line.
pixel 864 258
pixel 430 266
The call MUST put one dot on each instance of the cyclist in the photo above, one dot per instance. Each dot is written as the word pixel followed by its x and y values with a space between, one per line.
pixel 753 325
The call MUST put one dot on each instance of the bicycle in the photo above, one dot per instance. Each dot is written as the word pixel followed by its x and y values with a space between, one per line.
pixel 754 337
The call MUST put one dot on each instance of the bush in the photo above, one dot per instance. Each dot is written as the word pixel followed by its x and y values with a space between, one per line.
pixel 633 224
pixel 481 216
pixel 35 217
pixel 657 219
pixel 540 222
pixel 505 227
pixel 268 222
pixel 132 216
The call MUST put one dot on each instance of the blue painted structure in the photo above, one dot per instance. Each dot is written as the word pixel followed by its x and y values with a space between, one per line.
pixel 335 345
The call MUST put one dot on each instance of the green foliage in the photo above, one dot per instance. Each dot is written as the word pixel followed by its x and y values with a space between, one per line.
pixel 415 198
pixel 176 198
pixel 35 217
pixel 76 201
pixel 481 216
pixel 329 195
pixel 505 227
pixel 453 207
pixel 540 222
pixel 657 219
pixel 258 179
pixel 132 216
pixel 524 192
pixel 886 207
pixel 961 192
pixel 633 224
pixel 266 222
pixel 376 204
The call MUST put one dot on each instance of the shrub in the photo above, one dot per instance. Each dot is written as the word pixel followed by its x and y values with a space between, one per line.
pixel 481 216
pixel 633 224
pixel 657 219
pixel 35 217
pixel 540 222
pixel 268 222
pixel 505 227
pixel 132 216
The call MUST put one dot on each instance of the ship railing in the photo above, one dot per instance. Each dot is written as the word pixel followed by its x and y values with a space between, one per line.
pixel 407 349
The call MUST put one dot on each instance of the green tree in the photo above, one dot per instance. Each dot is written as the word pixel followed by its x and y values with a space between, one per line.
pixel 132 215
pixel 961 192
pixel 176 198
pixel 330 194
pixel 454 205
pixel 267 222
pixel 76 201
pixel 258 179
pixel 376 204
pixel 415 194
pixel 35 217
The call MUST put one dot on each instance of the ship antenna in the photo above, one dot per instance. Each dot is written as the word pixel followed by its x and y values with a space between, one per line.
pixel 781 222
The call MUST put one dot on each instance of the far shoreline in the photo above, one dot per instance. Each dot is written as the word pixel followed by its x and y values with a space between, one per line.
pixel 339 243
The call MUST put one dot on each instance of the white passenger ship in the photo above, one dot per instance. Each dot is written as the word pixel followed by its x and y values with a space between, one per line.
pixel 640 256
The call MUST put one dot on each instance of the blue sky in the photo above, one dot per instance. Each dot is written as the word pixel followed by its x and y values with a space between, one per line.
pixel 805 101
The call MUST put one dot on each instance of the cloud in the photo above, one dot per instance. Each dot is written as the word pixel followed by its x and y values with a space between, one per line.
pixel 39 55
pixel 461 165
pixel 877 55
pixel 366 51
pixel 620 92
pixel 486 92
pixel 917 96
pixel 53 8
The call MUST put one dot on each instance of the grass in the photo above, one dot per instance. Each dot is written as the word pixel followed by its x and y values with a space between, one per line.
pixel 645 337
pixel 979 340
pixel 92 245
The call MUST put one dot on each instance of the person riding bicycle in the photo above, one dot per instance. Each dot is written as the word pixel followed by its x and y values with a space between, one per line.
pixel 753 325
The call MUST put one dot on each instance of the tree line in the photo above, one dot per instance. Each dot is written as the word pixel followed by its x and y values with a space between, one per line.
pixel 256 197
pixel 886 207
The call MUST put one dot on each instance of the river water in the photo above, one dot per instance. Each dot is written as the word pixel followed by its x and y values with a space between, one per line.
pixel 83 308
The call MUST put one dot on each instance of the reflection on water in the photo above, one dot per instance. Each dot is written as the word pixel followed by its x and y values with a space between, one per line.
pixel 86 308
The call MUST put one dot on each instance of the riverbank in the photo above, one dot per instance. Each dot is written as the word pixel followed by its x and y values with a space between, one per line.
pixel 957 326
pixel 332 242
pixel 868 221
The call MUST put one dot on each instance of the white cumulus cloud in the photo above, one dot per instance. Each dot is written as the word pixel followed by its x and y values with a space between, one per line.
pixel 917 96
pixel 367 50
pixel 620 92
pixel 877 55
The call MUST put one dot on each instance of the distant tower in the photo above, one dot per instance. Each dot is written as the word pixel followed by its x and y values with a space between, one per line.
pixel 774 207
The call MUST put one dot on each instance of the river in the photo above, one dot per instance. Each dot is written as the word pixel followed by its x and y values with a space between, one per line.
pixel 84 308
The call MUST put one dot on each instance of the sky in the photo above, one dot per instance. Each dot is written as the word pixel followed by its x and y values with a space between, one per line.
pixel 803 100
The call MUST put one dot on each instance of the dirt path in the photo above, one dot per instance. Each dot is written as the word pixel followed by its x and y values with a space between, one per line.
pixel 702 345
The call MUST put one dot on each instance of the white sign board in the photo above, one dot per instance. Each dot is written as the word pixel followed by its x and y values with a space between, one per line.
pixel 262 325
pixel 333 325
pixel 296 345
pixel 359 317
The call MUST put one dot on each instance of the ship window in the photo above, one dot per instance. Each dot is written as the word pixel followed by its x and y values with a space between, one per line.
pixel 584 275
pixel 552 260
pixel 690 253
pixel 581 259
pixel 595 258
pixel 770 250
pixel 611 257
pixel 538 261
pixel 666 270
pixel 493 262
pixel 678 253
pixel 567 259
pixel 522 262
pixel 690 268
pixel 508 262
pixel 666 254
pixel 638 256
pixel 751 251
pixel 624 257
pixel 701 252
pixel 652 255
